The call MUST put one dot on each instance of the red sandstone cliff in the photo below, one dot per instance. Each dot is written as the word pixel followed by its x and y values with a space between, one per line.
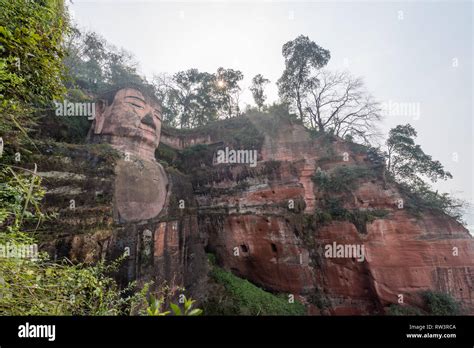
pixel 281 249
pixel 262 222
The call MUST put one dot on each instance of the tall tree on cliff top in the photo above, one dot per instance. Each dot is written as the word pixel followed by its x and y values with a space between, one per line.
pixel 411 167
pixel 257 89
pixel 302 58
pixel 192 98
pixel 338 103
pixel 228 91
pixel 94 65
pixel 407 162
pixel 188 98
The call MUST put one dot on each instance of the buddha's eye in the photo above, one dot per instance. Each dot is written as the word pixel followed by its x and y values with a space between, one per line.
pixel 157 114
pixel 136 105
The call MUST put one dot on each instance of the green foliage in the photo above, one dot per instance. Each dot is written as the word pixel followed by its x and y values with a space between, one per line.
pixel 411 168
pixel 441 303
pixel 436 303
pixel 187 309
pixel 30 51
pixel 37 286
pixel 188 98
pixel 422 198
pixel 94 65
pixel 166 154
pixel 228 91
pixel 240 297
pixel 257 89
pixel 67 129
pixel 342 179
pixel 31 77
pixel 236 133
pixel 20 195
pixel 193 156
pixel 42 287
pixel 31 70
pixel 396 309
pixel 302 58
pixel 320 300
pixel 212 259
pixel 407 162
pixel 155 307
pixel 331 209
pixel 192 98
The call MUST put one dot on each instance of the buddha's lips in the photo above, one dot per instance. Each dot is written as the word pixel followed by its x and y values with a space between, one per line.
pixel 147 129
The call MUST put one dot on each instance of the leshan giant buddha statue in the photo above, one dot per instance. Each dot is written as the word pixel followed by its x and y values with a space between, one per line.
pixel 162 242
pixel 129 119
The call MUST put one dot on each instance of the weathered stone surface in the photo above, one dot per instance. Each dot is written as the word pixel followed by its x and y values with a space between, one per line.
pixel 405 254
pixel 130 121
pixel 262 222
pixel 137 199
pixel 140 189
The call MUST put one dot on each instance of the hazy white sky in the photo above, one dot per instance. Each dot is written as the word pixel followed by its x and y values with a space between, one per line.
pixel 407 52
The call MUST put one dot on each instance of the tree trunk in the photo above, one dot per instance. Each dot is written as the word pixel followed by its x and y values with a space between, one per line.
pixel 298 104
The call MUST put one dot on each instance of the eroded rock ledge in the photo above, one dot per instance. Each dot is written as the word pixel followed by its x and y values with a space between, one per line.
pixel 269 224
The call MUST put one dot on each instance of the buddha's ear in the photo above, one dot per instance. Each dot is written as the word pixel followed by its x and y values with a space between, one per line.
pixel 100 107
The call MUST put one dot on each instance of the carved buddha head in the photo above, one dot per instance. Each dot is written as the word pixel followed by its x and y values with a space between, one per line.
pixel 129 119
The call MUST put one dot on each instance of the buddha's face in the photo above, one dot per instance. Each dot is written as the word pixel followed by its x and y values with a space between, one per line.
pixel 132 122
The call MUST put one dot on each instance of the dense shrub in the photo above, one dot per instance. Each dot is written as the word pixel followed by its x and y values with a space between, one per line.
pixel 342 179
pixel 236 296
pixel 421 198
pixel 441 303
pixel 331 209
pixel 396 309
pixel 436 303
pixel 42 287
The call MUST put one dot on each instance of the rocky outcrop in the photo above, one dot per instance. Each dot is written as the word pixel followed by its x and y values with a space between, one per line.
pixel 274 223
pixel 101 211
pixel 269 224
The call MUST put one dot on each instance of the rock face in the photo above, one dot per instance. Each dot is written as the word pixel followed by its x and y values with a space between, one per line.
pixel 279 224
pixel 131 205
pixel 163 248
pixel 129 119
pixel 140 190
pixel 264 225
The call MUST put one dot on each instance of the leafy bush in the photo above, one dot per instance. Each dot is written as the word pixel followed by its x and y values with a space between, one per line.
pixel 396 309
pixel 42 287
pixel 436 303
pixel 332 209
pixel 320 300
pixel 20 195
pixel 31 69
pixel 196 157
pixel 421 197
pixel 342 179
pixel 240 297
pixel 155 308
pixel 441 303
pixel 37 286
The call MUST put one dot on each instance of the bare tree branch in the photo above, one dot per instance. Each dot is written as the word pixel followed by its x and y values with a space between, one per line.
pixel 338 103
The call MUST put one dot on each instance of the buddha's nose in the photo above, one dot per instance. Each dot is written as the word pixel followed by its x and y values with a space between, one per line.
pixel 148 120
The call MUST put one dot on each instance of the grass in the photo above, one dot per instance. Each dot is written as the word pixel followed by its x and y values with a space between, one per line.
pixel 237 296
